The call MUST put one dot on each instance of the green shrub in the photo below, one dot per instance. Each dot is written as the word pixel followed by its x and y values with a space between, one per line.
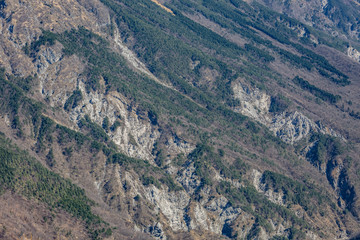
pixel 279 104
pixel 47 38
pixel 115 126
pixel 296 192
pixel 325 148
pixel 93 129
pixel 73 101
pixel 168 181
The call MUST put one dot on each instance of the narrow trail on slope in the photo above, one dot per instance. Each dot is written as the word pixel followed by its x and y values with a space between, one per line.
pixel 163 7
pixel 140 66
pixel 132 59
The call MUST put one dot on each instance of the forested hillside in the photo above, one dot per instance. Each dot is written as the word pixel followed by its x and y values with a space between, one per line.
pixel 178 119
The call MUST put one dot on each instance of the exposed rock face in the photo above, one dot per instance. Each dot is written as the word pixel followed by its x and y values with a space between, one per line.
pixel 58 76
pixel 290 127
pixel 302 32
pixel 134 136
pixel 22 22
pixel 171 204
pixel 181 213
pixel 130 56
pixel 282 227
pixel 254 103
pixel 188 179
pixel 275 197
pixel 293 127
pixel 336 174
pixel 353 54
pixel 176 145
pixel 227 214
pixel 156 231
pixel 47 57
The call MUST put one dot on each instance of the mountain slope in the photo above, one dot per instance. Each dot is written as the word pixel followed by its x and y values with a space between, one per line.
pixel 340 18
pixel 187 119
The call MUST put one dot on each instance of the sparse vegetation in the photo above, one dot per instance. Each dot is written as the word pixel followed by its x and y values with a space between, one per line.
pixel 93 129
pixel 296 193
pixel 325 148
pixel 256 204
pixel 204 157
pixel 23 174
pixel 326 96
pixel 47 38
pixel 149 174
pixel 199 67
